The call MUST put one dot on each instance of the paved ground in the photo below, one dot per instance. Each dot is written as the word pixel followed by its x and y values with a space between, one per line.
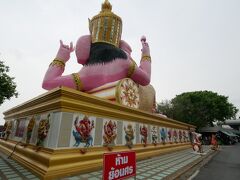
pixel 12 170
pixel 151 169
pixel 155 168
pixel 225 165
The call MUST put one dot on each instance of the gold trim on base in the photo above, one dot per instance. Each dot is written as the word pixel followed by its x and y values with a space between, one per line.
pixel 70 100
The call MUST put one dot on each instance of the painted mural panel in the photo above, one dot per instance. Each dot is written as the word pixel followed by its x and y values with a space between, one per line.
pixel 20 127
pixel 175 135
pixel 154 134
pixel 163 134
pixel 8 129
pixel 129 135
pixel 83 131
pixel 170 135
pixel 180 135
pixel 43 129
pixel 33 139
pixel 185 136
pixel 30 126
pixel 109 133
pixel 143 134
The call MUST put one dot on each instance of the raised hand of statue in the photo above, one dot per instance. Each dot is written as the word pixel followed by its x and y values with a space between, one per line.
pixel 145 46
pixel 64 51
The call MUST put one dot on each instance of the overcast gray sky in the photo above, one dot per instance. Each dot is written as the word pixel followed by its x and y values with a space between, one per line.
pixel 195 44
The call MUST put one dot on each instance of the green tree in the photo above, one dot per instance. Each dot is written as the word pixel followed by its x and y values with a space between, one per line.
pixel 165 107
pixel 7 85
pixel 200 108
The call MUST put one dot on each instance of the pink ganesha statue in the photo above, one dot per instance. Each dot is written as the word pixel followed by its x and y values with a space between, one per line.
pixel 104 56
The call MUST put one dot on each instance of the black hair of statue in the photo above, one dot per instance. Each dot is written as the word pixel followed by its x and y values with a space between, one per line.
pixel 101 53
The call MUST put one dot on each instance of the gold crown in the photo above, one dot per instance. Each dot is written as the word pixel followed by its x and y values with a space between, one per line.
pixel 106 26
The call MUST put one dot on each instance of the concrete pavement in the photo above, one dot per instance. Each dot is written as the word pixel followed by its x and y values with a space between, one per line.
pixel 225 165
pixel 12 170
pixel 168 166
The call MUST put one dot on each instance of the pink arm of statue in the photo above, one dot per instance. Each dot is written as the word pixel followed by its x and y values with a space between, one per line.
pixel 141 74
pixel 53 77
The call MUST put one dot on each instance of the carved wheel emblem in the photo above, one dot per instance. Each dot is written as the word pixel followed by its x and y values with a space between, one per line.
pixel 129 93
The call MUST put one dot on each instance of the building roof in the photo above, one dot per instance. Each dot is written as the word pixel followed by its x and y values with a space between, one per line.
pixel 231 122
pixel 218 128
pixel 210 129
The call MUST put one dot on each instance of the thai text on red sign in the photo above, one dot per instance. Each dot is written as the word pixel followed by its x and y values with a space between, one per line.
pixel 119 165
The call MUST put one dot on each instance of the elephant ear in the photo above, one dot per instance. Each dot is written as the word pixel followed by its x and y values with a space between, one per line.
pixel 82 49
pixel 125 46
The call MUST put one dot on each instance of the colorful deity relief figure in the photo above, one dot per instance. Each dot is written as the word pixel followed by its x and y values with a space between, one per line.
pixel 7 129
pixel 175 135
pixel 104 56
pixel 197 145
pixel 43 128
pixel 184 136
pixel 154 135
pixel 110 134
pixel 129 135
pixel 163 136
pixel 30 129
pixel 144 134
pixel 82 134
pixel 170 135
pixel 180 136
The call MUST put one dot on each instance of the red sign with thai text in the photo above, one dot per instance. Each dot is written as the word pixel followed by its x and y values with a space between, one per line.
pixel 119 165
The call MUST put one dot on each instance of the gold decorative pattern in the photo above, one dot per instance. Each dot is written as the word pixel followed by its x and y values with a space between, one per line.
pixel 146 58
pixel 132 68
pixel 106 26
pixel 127 93
pixel 58 62
pixel 78 82
pixel 78 101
